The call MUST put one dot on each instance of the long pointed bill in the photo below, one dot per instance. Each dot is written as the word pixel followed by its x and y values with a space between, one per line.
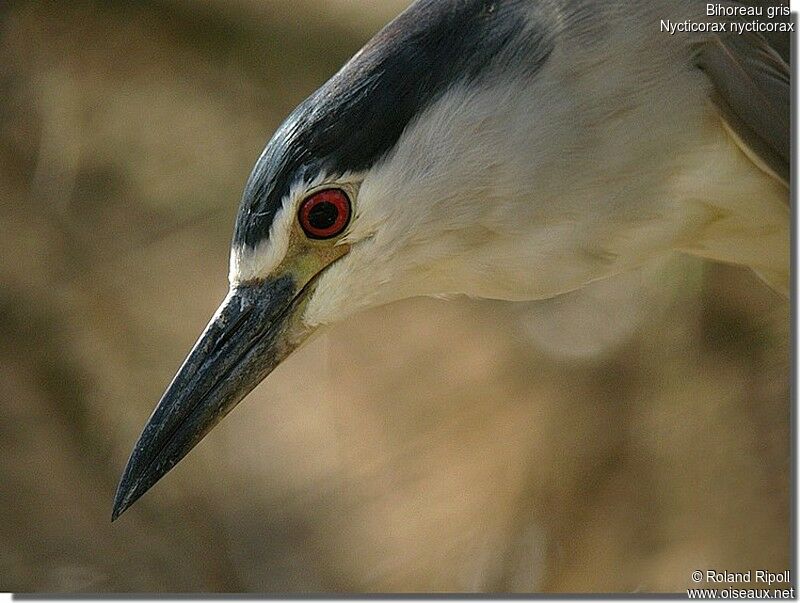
pixel 254 329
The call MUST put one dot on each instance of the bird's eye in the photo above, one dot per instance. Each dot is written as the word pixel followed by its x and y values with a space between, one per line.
pixel 325 214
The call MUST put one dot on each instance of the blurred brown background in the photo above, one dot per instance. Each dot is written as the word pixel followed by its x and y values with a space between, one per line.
pixel 611 440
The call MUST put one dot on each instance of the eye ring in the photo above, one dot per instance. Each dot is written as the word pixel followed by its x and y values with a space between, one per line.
pixel 324 214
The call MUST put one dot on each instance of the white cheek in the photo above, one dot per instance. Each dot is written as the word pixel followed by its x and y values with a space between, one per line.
pixel 329 301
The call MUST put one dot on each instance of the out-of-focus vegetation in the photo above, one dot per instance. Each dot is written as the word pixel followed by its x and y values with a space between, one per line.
pixel 577 445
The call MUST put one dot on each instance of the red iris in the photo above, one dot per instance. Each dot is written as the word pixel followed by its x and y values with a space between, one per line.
pixel 325 214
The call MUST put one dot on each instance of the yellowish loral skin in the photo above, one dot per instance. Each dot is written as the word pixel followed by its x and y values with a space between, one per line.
pixel 304 260
pixel 306 257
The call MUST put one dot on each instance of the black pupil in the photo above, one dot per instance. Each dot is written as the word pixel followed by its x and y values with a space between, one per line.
pixel 323 215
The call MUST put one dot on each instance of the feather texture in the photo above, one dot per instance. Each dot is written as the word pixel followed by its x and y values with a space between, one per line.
pixel 751 92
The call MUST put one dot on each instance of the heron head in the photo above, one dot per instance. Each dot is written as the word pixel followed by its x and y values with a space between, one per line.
pixel 372 190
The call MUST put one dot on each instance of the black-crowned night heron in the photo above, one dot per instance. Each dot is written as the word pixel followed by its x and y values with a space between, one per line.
pixel 506 149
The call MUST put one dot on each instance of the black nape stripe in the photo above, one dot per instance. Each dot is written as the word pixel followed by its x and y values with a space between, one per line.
pixel 353 120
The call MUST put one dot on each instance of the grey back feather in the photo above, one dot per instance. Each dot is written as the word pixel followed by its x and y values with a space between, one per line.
pixel 752 94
